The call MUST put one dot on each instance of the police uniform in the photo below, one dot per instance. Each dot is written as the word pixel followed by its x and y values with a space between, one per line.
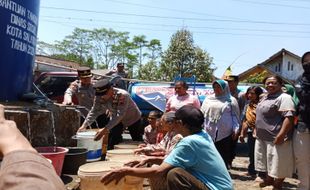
pixel 85 95
pixel 118 76
pixel 122 109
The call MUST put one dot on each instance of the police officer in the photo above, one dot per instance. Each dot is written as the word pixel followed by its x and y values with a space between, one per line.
pixel 121 108
pixel 118 75
pixel 82 89
pixel 85 93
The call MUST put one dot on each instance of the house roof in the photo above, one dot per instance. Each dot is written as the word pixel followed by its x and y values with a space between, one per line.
pixel 280 54
pixel 258 69
pixel 59 62
pixel 263 66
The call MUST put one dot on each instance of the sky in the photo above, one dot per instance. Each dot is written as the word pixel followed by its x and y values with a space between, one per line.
pixel 243 33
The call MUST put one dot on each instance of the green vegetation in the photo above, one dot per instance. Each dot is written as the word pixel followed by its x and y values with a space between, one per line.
pixel 256 78
pixel 103 48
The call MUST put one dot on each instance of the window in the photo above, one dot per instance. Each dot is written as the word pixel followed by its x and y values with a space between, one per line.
pixel 292 67
pixel 288 65
pixel 276 69
pixel 279 66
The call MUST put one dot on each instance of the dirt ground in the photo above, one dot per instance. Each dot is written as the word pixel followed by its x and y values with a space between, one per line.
pixel 239 168
pixel 242 182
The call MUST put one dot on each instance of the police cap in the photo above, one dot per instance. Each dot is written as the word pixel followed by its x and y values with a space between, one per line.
pixel 84 72
pixel 102 86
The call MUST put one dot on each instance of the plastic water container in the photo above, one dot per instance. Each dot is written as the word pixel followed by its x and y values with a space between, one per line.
pixel 55 154
pixel 122 155
pixel 86 140
pixel 125 146
pixel 91 173
pixel 17 51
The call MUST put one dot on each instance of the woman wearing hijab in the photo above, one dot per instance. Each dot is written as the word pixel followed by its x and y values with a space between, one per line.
pixel 221 113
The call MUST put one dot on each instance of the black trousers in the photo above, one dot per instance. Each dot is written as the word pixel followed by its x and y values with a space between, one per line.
pixel 224 147
pixel 251 145
pixel 115 136
pixel 233 151
pixel 135 131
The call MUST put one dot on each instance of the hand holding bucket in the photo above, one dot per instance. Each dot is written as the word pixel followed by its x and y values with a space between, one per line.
pixel 102 133
pixel 86 139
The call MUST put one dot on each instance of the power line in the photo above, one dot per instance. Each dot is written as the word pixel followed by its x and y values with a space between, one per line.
pixel 180 18
pixel 216 33
pixel 307 1
pixel 170 25
pixel 273 4
pixel 170 9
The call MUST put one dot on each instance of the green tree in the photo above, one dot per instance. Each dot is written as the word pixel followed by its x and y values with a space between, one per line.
pixel 124 52
pixel 102 41
pixel 139 43
pixel 150 71
pixel 256 78
pixel 78 45
pixel 155 50
pixel 203 66
pixel 46 49
pixel 103 48
pixel 184 59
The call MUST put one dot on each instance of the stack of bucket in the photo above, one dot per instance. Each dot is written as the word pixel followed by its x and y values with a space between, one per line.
pixel 91 173
pixel 87 150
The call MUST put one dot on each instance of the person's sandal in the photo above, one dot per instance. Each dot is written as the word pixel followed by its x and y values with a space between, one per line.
pixel 265 183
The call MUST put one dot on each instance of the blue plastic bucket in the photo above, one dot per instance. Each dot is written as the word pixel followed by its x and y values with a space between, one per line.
pixel 86 140
pixel 18 38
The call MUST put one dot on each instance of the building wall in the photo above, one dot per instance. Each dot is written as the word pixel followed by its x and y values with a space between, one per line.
pixel 287 66
pixel 275 65
pixel 292 68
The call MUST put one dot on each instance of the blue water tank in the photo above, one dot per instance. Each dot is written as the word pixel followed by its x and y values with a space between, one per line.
pixel 18 37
